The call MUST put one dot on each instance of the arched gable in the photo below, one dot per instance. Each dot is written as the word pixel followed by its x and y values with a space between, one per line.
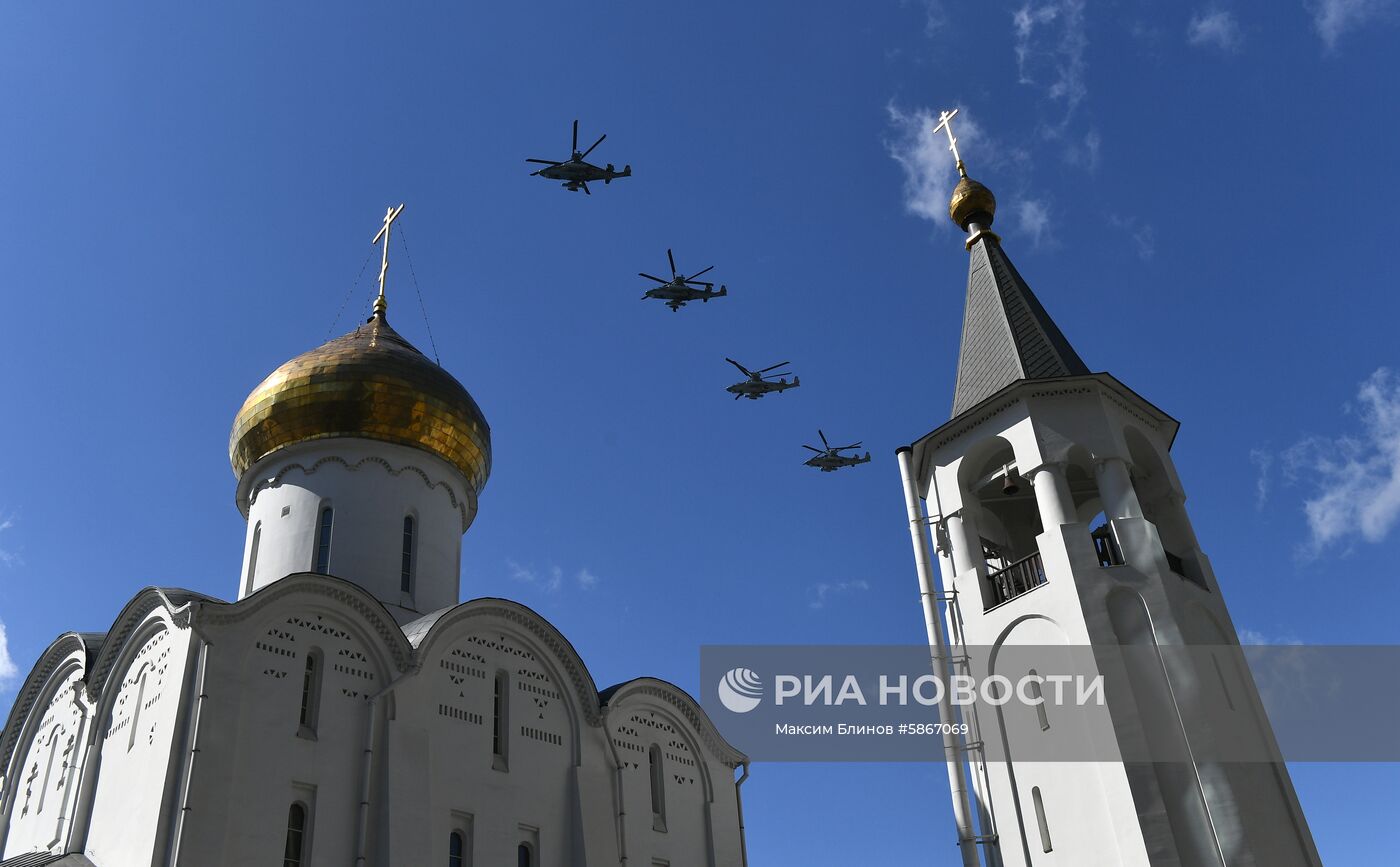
pixel 55 666
pixel 684 713
pixel 549 646
pixel 378 631
pixel 176 603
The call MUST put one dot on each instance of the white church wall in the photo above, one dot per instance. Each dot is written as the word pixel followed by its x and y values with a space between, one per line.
pixel 524 778
pixel 1082 803
pixel 140 708
pixel 48 763
pixel 370 486
pixel 257 752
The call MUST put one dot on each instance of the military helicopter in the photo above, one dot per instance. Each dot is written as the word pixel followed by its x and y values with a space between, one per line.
pixel 757 385
pixel 576 173
pixel 676 291
pixel 830 459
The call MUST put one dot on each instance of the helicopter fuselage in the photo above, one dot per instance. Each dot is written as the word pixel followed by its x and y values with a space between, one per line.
pixel 831 462
pixel 575 172
pixel 753 389
pixel 677 293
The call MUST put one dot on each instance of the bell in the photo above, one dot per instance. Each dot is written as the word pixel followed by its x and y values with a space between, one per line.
pixel 1008 485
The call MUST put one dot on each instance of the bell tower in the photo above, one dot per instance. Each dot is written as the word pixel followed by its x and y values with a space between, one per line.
pixel 1059 519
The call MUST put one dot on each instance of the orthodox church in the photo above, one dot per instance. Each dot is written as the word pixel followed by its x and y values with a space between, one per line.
pixel 345 709
pixel 1098 553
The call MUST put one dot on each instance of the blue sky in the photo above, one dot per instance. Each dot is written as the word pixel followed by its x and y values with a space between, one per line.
pixel 1202 195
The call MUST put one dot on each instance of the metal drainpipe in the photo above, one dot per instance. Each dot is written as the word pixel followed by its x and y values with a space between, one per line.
pixel 739 800
pixel 202 667
pixel 621 803
pixel 962 811
pixel 362 831
pixel 87 783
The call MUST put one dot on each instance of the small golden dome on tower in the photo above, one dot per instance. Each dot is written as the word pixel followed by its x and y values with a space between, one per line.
pixel 970 199
pixel 370 383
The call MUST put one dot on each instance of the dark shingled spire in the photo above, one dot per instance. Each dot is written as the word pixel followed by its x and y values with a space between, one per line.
pixel 1006 334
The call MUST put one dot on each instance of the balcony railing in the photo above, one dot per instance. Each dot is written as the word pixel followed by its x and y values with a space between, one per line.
pixel 1025 574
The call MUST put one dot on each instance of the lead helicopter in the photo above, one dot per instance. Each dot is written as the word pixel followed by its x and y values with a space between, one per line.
pixel 678 290
pixel 830 459
pixel 575 173
pixel 757 384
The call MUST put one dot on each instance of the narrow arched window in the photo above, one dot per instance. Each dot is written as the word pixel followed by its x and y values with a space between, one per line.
pixel 524 856
pixel 1040 819
pixel 1038 696
pixel 295 854
pixel 456 845
pixel 310 692
pixel 253 558
pixel 406 569
pixel 500 708
pixel 136 709
pixel 323 541
pixel 658 788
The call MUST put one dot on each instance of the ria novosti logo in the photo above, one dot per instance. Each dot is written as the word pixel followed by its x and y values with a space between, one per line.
pixel 740 690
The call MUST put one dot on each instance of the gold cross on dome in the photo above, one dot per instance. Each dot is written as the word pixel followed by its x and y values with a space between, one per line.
pixel 945 124
pixel 390 215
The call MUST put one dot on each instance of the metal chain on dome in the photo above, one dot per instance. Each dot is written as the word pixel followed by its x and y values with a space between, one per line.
pixel 330 332
pixel 409 256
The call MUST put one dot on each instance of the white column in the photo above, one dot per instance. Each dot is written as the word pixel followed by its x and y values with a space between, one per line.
pixel 1116 489
pixel 1052 495
pixel 958 539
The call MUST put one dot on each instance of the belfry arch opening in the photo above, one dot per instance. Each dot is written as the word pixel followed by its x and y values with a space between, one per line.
pixel 1002 521
pixel 1163 504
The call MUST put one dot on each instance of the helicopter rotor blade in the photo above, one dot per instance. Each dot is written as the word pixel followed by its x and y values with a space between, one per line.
pixel 775 367
pixel 815 449
pixel 546 162
pixel 698 273
pixel 845 448
pixel 741 367
pixel 699 283
pixel 649 277
pixel 595 144
pixel 574 149
pixel 672 259
pixel 823 436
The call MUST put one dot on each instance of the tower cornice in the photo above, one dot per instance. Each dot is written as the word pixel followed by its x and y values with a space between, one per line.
pixel 1008 397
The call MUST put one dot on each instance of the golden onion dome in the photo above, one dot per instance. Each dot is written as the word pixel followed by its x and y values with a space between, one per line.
pixel 372 384
pixel 971 199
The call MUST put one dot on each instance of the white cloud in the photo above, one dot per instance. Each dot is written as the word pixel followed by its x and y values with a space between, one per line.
pixel 929 170
pixel 1264 460
pixel 549 580
pixel 1143 236
pixel 8 670
pixel 8 557
pixel 1252 636
pixel 1085 153
pixel 1333 18
pixel 1217 28
pixel 935 16
pixel 1033 220
pixel 1354 479
pixel 823 591
pixel 1051 39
